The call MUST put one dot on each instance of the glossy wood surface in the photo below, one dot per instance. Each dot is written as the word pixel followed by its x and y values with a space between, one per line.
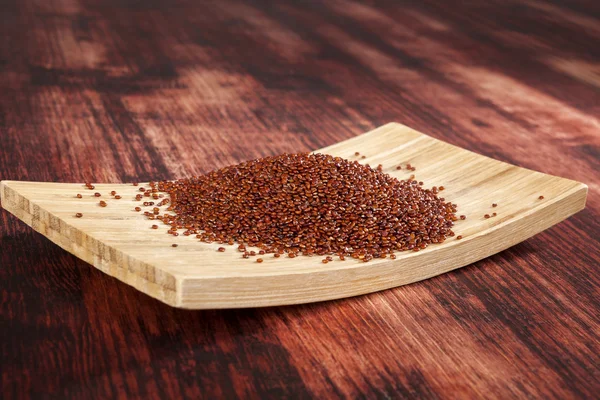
pixel 117 91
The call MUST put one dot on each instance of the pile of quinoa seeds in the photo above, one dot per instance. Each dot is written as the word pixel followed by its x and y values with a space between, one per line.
pixel 303 204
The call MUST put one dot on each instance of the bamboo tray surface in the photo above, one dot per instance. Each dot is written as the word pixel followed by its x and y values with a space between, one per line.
pixel 119 241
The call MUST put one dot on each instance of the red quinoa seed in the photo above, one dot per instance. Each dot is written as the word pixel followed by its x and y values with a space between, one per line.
pixel 305 204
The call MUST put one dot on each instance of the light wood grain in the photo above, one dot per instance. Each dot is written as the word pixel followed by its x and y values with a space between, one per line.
pixel 119 241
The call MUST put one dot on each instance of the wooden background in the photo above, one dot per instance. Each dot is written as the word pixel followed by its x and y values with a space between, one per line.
pixel 120 90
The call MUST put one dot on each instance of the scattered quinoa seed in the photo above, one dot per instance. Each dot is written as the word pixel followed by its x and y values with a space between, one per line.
pixel 102 203
pixel 541 198
pixel 221 249
pixel 78 215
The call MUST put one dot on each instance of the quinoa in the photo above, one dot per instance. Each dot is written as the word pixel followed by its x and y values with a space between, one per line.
pixel 307 204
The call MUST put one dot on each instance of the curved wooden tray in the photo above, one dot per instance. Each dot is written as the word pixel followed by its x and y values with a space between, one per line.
pixel 119 241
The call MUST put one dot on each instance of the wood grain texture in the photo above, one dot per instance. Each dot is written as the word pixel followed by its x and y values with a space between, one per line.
pixel 118 241
pixel 116 91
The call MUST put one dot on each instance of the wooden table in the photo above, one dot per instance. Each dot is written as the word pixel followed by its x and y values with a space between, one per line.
pixel 118 90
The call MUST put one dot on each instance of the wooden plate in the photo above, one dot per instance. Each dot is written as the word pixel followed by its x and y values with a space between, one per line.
pixel 119 241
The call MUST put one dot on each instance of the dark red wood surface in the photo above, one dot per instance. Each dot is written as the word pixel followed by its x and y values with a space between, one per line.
pixel 120 90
